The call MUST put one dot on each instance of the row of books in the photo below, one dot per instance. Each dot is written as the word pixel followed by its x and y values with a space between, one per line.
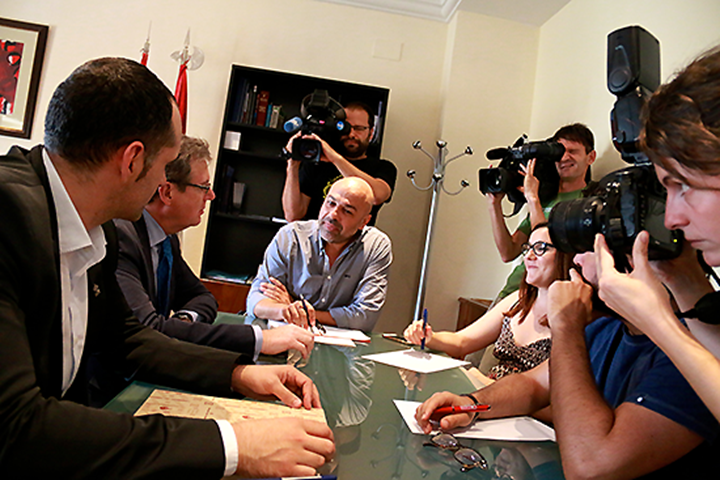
pixel 253 107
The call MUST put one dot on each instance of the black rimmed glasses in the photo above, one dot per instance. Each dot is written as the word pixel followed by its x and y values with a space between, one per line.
pixel 206 187
pixel 468 457
pixel 539 248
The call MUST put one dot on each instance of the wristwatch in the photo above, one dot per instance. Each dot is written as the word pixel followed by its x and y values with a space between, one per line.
pixel 184 316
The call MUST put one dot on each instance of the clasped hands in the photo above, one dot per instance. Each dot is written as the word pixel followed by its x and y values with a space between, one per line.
pixel 297 312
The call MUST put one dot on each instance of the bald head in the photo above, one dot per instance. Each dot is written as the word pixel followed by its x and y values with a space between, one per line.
pixel 346 210
pixel 357 190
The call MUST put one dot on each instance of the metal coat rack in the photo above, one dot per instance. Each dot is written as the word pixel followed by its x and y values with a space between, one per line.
pixel 437 184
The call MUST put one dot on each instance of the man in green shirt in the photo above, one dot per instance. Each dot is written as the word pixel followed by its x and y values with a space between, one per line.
pixel 574 174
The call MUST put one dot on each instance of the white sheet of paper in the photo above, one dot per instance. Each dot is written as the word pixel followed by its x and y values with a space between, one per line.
pixel 342 337
pixel 416 360
pixel 523 429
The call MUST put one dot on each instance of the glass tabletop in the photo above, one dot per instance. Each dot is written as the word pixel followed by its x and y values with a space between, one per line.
pixel 371 437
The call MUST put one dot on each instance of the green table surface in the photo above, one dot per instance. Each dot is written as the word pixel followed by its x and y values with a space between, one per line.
pixel 371 437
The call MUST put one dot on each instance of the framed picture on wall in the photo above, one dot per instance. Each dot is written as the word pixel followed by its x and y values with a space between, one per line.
pixel 22 48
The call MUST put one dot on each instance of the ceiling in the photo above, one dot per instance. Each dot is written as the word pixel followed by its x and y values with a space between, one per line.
pixel 530 12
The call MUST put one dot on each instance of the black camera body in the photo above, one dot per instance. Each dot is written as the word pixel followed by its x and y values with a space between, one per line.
pixel 321 115
pixel 506 178
pixel 627 202
pixel 632 199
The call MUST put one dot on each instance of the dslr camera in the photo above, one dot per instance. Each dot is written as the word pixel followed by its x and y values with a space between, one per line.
pixel 506 178
pixel 629 200
pixel 321 115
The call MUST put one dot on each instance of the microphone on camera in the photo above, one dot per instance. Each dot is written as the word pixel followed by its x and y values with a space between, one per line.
pixel 497 153
pixel 293 124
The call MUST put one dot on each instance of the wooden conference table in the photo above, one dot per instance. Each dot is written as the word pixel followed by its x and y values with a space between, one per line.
pixel 371 437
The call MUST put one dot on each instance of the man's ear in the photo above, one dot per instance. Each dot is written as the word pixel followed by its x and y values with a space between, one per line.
pixel 367 219
pixel 132 160
pixel 165 192
pixel 592 155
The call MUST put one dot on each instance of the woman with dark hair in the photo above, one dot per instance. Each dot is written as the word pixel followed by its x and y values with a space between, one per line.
pixel 517 324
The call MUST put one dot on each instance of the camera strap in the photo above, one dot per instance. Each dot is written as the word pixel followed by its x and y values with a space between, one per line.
pixel 707 309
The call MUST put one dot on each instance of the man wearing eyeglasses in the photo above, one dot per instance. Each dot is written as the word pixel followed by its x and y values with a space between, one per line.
pixel 160 287
pixel 307 183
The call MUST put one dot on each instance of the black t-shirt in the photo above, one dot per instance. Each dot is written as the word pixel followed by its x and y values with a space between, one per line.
pixel 317 178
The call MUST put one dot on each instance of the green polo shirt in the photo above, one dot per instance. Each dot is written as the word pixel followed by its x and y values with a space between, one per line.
pixel 513 281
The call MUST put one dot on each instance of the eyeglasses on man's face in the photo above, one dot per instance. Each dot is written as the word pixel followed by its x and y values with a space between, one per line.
pixel 205 187
pixel 468 457
pixel 539 248
pixel 359 128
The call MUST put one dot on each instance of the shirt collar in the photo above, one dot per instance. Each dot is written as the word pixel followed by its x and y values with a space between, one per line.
pixel 72 234
pixel 156 234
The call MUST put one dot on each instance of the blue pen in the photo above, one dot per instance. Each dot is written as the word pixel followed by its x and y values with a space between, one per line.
pixel 422 344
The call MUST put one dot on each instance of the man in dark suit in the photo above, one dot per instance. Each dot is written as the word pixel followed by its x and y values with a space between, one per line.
pixel 153 294
pixel 111 128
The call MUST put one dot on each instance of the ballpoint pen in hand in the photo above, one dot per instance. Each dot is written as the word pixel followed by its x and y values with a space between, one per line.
pixel 443 411
pixel 319 326
pixel 422 343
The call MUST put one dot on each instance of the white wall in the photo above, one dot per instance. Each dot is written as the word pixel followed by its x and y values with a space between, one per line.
pixel 300 36
pixel 477 81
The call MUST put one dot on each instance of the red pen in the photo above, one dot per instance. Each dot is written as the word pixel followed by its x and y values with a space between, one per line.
pixel 443 411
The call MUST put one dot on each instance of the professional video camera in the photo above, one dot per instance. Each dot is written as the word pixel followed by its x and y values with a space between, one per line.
pixel 321 115
pixel 628 200
pixel 506 178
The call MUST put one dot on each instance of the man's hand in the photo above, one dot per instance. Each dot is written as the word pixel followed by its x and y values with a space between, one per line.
pixel 443 399
pixel 282 339
pixel 638 297
pixel 284 447
pixel 273 382
pixel 531 185
pixel 296 314
pixel 569 302
pixel 276 291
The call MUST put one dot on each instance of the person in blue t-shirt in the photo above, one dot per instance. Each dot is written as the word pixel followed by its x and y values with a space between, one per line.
pixel 620 408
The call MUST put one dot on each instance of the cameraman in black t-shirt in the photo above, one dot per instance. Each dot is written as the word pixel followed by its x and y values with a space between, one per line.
pixel 307 183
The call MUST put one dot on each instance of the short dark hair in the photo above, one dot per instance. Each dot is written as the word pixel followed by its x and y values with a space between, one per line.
pixel 681 120
pixel 363 106
pixel 105 104
pixel 576 132
pixel 192 149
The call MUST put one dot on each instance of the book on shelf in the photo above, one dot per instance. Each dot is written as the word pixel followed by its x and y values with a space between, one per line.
pixel 238 194
pixel 226 188
pixel 249 104
pixel 276 116
pixel 261 107
pixel 238 105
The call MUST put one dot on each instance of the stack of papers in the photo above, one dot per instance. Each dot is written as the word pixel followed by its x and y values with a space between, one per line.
pixel 341 337
pixel 525 429
pixel 416 360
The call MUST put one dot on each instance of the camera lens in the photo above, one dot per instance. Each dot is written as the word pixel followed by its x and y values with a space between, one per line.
pixel 306 149
pixel 573 224
pixel 494 180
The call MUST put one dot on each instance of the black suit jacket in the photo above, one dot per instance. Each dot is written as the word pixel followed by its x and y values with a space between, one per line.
pixel 137 280
pixel 42 435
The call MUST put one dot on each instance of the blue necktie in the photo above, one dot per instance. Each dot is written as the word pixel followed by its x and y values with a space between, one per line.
pixel 165 260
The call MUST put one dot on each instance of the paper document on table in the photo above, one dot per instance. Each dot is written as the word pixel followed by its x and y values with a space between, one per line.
pixel 188 405
pixel 416 360
pixel 523 429
pixel 342 337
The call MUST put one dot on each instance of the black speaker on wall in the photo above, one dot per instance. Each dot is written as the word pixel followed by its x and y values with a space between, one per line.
pixel 633 59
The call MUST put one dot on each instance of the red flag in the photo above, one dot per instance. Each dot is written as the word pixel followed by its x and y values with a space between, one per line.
pixel 146 48
pixel 181 94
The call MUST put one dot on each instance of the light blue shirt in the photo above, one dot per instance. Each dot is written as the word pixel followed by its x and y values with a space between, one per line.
pixel 352 290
